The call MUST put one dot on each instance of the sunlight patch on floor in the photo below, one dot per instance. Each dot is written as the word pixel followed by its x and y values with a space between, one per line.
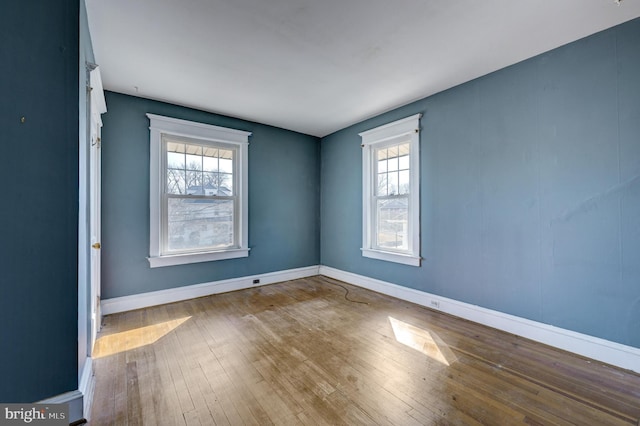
pixel 422 341
pixel 131 339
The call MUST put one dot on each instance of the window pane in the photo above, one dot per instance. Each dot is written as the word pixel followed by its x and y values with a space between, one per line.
pixel 392 222
pixel 225 184
pixel 176 181
pixel 393 151
pixel 174 146
pixel 382 166
pixel 210 183
pixel 403 162
pixel 193 149
pixel 392 164
pixel 403 184
pixel 194 181
pixel 210 164
pixel 196 224
pixel 194 162
pixel 226 153
pixel 382 154
pixel 226 165
pixel 209 151
pixel 382 189
pixel 393 183
pixel 175 160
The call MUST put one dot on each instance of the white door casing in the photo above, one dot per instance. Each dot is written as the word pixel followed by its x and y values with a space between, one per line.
pixel 98 107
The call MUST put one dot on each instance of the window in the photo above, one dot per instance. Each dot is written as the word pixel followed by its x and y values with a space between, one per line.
pixel 198 192
pixel 391 188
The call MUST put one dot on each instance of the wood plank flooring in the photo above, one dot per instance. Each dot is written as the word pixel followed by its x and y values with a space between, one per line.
pixel 304 352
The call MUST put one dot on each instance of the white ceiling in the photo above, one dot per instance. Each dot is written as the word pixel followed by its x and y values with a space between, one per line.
pixel 317 66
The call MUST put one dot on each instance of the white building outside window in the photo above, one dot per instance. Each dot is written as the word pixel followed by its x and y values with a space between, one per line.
pixel 391 188
pixel 198 192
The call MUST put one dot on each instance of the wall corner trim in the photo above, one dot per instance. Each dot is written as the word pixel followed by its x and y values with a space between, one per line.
pixel 177 294
pixel 598 349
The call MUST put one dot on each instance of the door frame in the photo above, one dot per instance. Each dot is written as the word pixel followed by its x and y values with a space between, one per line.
pixel 91 106
pixel 97 107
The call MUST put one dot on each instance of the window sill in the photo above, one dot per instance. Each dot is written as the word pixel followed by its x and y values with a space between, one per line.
pixel 184 259
pixel 405 259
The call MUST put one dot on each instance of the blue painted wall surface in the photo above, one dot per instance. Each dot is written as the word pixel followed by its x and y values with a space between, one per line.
pixel 284 179
pixel 530 197
pixel 39 214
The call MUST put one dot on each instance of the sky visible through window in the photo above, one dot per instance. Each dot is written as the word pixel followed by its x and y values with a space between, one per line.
pixel 392 190
pixel 200 204
pixel 199 170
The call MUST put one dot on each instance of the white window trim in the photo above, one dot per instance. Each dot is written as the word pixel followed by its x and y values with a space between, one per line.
pixel 160 125
pixel 371 139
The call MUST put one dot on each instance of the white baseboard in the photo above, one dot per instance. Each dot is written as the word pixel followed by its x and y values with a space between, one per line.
pixel 79 400
pixel 73 398
pixel 591 347
pixel 144 300
pixel 87 386
pixel 623 356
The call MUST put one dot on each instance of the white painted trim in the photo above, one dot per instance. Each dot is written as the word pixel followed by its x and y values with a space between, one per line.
pixel 183 259
pixel 378 138
pixel 87 386
pixel 392 130
pixel 79 400
pixel 192 129
pixel 73 399
pixel 595 348
pixel 99 104
pixel 206 133
pixel 144 300
pixel 390 256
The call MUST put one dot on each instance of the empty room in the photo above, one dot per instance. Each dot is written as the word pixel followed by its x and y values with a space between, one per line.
pixel 337 213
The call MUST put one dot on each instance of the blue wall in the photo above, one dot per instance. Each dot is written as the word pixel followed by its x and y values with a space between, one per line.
pixel 39 214
pixel 284 181
pixel 530 200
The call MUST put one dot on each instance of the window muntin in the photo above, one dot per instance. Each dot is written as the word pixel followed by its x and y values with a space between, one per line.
pixel 391 196
pixel 199 202
pixel 391 192
pixel 198 192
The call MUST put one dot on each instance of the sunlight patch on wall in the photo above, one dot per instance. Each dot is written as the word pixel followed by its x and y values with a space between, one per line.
pixel 131 339
pixel 422 341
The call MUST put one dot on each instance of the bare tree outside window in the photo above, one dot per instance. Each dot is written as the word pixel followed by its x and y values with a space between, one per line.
pixel 200 208
pixel 391 195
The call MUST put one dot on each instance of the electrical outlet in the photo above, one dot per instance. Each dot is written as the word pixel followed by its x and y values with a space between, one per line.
pixel 435 304
pixel 256 281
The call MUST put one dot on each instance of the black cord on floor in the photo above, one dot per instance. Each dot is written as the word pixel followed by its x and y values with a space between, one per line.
pixel 346 295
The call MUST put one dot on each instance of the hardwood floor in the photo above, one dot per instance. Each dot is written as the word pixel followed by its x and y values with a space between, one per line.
pixel 299 352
